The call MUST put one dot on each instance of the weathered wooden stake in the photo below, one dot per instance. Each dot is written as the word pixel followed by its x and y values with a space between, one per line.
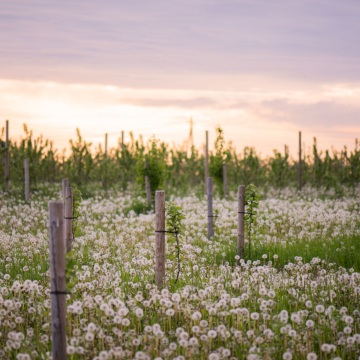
pixel 148 191
pixel 160 237
pixel 122 142
pixel 225 180
pixel 106 145
pixel 69 214
pixel 7 158
pixel 300 164
pixel 241 227
pixel 27 179
pixel 210 208
pixel 57 274
pixel 65 185
pixel 206 165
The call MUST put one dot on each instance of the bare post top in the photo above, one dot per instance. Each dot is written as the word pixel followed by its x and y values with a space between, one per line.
pixel 65 185
pixel 106 144
pixel 122 141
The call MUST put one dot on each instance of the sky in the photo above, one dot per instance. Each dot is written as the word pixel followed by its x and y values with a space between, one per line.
pixel 261 69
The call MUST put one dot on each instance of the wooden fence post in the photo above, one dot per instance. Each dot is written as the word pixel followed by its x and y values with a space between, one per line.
pixel 122 142
pixel 148 191
pixel 210 208
pixel 69 214
pixel 300 164
pixel 106 145
pixel 65 185
pixel 57 274
pixel 7 158
pixel 160 237
pixel 225 180
pixel 206 165
pixel 241 215
pixel 27 179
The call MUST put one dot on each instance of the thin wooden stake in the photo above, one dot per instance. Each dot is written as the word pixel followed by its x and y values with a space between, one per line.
pixel 7 158
pixel 65 185
pixel 225 180
pixel 241 215
pixel 69 214
pixel 122 142
pixel 148 191
pixel 106 145
pixel 300 164
pixel 210 208
pixel 206 165
pixel 57 273
pixel 160 237
pixel 27 179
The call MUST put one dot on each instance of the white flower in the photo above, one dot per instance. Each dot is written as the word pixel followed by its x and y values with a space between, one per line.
pixel 89 336
pixel 311 356
pixel 139 313
pixel 214 356
pixel 287 355
pixel 212 334
pixel 70 350
pixel 309 323
pixel 196 316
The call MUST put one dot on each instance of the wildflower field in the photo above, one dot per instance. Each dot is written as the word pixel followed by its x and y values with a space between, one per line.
pixel 296 295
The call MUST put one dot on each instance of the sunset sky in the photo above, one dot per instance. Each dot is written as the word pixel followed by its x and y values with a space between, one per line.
pixel 262 69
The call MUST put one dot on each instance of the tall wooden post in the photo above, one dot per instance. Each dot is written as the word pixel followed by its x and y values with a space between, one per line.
pixel 7 158
pixel 206 165
pixel 106 145
pixel 241 215
pixel 65 185
pixel 160 237
pixel 27 179
pixel 300 164
pixel 122 142
pixel 225 181
pixel 69 215
pixel 57 274
pixel 210 208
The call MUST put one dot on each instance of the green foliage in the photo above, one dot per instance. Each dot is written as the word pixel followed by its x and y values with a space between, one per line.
pixel 280 169
pixel 217 160
pixel 252 198
pixel 152 163
pixel 216 213
pixel 80 163
pixel 71 278
pixel 77 198
pixel 251 168
pixel 178 170
pixel 174 225
pixel 138 205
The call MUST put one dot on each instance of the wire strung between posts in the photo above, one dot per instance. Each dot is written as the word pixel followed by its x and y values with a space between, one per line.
pixel 165 231
pixel 70 218
pixel 241 212
pixel 213 215
pixel 58 292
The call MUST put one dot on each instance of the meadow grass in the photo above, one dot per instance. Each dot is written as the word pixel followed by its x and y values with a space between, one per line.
pixel 295 297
